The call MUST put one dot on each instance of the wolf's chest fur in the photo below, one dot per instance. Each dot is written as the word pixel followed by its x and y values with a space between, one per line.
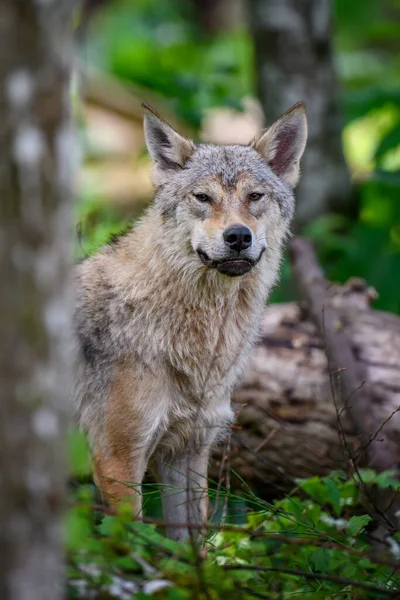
pixel 165 351
pixel 197 340
pixel 201 339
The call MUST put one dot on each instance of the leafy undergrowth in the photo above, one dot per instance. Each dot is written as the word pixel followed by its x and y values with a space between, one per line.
pixel 314 543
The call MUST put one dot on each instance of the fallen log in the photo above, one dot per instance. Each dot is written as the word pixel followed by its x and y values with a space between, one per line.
pixel 292 421
pixel 352 392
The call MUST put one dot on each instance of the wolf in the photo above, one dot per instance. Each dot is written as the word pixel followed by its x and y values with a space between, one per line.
pixel 166 314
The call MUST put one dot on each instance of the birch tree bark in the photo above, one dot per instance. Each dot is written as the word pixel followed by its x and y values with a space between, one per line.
pixel 36 142
pixel 294 63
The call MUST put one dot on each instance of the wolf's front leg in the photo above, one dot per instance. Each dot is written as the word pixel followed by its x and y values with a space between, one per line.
pixel 119 478
pixel 184 493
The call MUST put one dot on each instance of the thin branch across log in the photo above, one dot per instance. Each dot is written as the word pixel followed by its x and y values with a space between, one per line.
pixel 352 391
pixel 287 421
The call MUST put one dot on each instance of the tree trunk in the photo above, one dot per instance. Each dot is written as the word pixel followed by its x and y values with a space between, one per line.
pixel 36 141
pixel 287 420
pixel 219 15
pixel 295 63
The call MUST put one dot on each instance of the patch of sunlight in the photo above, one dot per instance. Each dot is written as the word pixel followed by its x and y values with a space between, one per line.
pixel 362 137
pixel 391 160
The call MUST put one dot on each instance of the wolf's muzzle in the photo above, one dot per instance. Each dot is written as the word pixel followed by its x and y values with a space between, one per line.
pixel 233 267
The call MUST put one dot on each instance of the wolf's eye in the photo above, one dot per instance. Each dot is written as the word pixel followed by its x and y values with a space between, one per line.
pixel 202 197
pixel 255 196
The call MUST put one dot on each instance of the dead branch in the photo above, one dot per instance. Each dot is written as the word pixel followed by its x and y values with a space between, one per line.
pixel 350 389
pixel 315 577
pixel 287 425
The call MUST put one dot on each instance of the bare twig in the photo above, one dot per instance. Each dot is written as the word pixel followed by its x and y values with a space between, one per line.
pixel 220 479
pixel 313 540
pixel 379 456
pixel 373 438
pixel 315 577
pixel 228 480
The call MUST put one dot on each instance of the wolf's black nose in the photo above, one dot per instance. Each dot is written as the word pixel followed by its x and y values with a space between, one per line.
pixel 238 237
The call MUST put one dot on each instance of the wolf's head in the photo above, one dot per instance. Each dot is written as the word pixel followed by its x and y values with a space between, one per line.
pixel 228 204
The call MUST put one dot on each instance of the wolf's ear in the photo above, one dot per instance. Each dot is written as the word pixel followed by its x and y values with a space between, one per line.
pixel 282 145
pixel 167 148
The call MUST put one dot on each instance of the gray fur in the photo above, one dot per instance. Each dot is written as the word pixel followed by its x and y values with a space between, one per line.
pixel 162 334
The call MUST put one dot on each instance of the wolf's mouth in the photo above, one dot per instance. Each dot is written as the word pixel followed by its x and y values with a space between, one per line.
pixel 233 267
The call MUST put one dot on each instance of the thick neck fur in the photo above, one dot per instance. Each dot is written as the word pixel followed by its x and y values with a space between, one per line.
pixel 177 312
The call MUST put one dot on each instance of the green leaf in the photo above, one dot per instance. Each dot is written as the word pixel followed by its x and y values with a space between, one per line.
pixel 357 524
pixel 78 453
pixel 387 479
pixel 314 486
pixel 350 570
pixel 334 494
pixel 147 532
pixel 108 526
pixel 339 474
pixel 320 560
pixel 126 563
pixel 368 476
pixel 389 142
pixel 77 529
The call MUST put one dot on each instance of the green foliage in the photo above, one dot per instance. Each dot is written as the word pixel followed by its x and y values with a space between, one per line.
pixel 368 244
pixel 357 524
pixel 78 453
pixel 97 222
pixel 157 44
pixel 311 542
pixel 368 247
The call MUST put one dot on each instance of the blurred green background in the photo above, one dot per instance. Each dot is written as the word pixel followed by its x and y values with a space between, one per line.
pixel 164 50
